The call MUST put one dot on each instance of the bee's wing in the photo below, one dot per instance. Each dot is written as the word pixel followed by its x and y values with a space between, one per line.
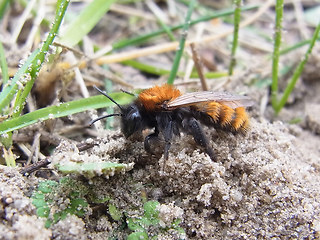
pixel 195 98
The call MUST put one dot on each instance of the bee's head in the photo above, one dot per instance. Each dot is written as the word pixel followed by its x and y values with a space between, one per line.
pixel 130 116
pixel 131 120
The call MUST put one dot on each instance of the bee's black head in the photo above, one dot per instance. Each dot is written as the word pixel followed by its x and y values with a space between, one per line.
pixel 131 120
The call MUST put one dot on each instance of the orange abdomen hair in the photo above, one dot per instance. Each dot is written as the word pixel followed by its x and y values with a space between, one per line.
pixel 153 98
pixel 236 119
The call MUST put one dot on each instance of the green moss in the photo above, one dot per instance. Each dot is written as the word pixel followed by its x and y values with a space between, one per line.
pixel 44 199
pixel 114 212
pixel 142 225
pixel 138 236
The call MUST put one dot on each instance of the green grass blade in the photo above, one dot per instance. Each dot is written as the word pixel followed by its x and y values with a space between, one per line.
pixel 297 72
pixel 146 67
pixel 3 7
pixel 184 34
pixel 108 88
pixel 83 24
pixel 167 30
pixel 276 53
pixel 296 46
pixel 63 110
pixel 237 15
pixel 209 75
pixel 143 38
pixel 4 66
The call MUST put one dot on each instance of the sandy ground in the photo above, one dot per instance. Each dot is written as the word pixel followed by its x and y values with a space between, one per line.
pixel 264 185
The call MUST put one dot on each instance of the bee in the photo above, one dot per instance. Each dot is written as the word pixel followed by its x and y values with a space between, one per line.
pixel 169 112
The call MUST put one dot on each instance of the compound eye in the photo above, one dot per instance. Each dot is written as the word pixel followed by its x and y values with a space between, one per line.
pixel 135 114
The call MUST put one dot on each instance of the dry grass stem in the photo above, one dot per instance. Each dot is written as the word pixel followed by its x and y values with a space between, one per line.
pixel 132 12
pixel 157 11
pixel 190 63
pixel 199 67
pixel 36 24
pixel 299 15
pixel 78 75
pixel 34 151
pixel 103 73
pixel 23 18
pixel 64 47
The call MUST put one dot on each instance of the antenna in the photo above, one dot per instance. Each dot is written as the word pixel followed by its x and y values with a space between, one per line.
pixel 102 117
pixel 130 93
pixel 105 116
pixel 106 95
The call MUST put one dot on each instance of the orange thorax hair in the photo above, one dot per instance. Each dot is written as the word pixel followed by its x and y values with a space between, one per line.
pixel 154 97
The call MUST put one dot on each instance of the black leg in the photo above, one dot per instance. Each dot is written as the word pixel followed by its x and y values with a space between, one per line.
pixel 194 128
pixel 167 133
pixel 166 127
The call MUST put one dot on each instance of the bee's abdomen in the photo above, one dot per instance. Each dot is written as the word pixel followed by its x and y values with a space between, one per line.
pixel 225 117
pixel 241 121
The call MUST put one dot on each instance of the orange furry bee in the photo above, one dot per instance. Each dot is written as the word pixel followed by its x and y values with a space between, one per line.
pixel 168 112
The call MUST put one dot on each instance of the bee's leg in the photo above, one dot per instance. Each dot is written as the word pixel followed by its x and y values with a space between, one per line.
pixel 195 129
pixel 151 137
pixel 167 128
pixel 167 134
